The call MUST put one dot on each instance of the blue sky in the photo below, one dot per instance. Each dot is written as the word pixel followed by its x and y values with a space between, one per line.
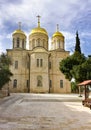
pixel 71 15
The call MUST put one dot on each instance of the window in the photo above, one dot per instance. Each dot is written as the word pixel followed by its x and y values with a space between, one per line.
pixel 59 43
pixel 38 42
pixel 16 64
pixel 18 41
pixel 50 84
pixel 33 43
pixel 23 43
pixel 41 62
pixel 39 81
pixel 15 83
pixel 37 62
pixel 61 83
pixel 49 65
pixel 43 42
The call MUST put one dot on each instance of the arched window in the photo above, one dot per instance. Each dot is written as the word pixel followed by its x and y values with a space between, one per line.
pixel 49 64
pixel 23 43
pixel 61 83
pixel 37 62
pixel 38 42
pixel 39 81
pixel 15 83
pixel 59 43
pixel 41 62
pixel 18 41
pixel 33 43
pixel 16 64
pixel 44 43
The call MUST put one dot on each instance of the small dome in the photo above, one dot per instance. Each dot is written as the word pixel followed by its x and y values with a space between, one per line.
pixel 39 30
pixel 57 34
pixel 18 31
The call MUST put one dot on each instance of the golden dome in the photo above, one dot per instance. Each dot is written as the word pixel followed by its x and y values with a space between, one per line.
pixel 39 30
pixel 18 31
pixel 57 34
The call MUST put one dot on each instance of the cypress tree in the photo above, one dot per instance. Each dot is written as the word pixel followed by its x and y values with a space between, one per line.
pixel 77 46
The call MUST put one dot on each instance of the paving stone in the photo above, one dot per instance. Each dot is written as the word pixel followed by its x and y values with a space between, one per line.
pixel 44 112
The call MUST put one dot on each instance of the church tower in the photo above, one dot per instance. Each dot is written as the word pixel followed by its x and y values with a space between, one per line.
pixel 39 56
pixel 19 38
pixel 38 37
pixel 57 40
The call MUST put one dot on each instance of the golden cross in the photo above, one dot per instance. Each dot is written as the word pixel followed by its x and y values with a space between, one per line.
pixel 57 27
pixel 19 25
pixel 38 20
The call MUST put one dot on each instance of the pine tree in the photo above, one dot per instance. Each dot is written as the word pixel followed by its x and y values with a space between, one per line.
pixel 77 47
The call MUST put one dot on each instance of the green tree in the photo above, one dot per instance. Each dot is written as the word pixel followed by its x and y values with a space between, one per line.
pixel 82 72
pixel 77 46
pixel 67 65
pixel 75 66
pixel 74 87
pixel 5 73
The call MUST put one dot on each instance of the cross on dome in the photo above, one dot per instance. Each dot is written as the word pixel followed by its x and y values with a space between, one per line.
pixel 38 20
pixel 19 25
pixel 57 28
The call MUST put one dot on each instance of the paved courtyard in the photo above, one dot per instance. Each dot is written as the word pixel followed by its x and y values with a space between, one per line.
pixel 44 112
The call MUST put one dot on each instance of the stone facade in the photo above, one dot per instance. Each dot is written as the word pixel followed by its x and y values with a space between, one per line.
pixel 37 70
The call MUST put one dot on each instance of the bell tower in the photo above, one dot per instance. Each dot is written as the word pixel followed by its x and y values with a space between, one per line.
pixel 19 38
pixel 38 37
pixel 57 40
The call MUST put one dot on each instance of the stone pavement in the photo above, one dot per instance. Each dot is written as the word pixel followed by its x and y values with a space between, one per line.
pixel 44 112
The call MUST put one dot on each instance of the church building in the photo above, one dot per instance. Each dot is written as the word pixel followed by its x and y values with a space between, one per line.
pixel 36 70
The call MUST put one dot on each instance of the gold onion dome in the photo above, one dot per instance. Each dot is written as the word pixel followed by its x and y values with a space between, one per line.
pixel 38 29
pixel 57 33
pixel 19 31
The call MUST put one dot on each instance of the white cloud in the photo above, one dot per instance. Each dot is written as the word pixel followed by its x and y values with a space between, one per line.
pixel 50 10
pixel 86 34
pixel 70 15
pixel 69 41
